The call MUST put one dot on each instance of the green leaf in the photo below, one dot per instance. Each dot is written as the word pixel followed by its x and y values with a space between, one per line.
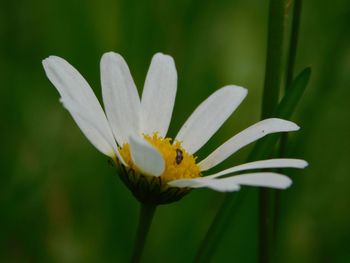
pixel 263 148
pixel 284 110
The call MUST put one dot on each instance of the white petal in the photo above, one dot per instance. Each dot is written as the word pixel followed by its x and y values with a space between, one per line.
pixel 219 186
pixel 244 138
pixel 214 184
pixel 120 97
pixel 158 95
pixel 146 157
pixel 81 102
pixel 272 163
pixel 271 180
pixel 209 116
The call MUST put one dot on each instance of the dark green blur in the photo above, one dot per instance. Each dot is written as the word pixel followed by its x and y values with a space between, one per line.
pixel 60 201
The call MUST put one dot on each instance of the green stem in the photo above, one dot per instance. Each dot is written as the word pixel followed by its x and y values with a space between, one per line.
pixel 273 75
pixel 271 89
pixel 262 148
pixel 219 225
pixel 274 57
pixel 294 37
pixel 293 44
pixel 146 215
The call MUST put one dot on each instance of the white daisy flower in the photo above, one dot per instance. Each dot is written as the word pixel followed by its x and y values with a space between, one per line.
pixel 132 131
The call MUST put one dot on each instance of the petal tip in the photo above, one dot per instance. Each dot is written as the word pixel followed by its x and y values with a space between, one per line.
pixel 109 55
pixel 162 56
pixel 284 182
pixel 240 89
pixel 287 184
pixel 53 58
pixel 236 92
pixel 291 125
pixel 304 164
pixel 46 61
pixel 295 127
pixel 285 125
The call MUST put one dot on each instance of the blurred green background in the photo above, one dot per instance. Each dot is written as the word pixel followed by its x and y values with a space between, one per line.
pixel 59 199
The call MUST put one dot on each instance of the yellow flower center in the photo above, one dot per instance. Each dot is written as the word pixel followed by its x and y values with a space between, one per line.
pixel 179 164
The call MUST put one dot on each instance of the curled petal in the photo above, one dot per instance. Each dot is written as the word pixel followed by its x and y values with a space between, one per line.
pixel 229 184
pixel 245 137
pixel 146 157
pixel 272 163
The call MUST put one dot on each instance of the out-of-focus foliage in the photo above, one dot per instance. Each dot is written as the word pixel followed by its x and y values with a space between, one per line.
pixel 59 199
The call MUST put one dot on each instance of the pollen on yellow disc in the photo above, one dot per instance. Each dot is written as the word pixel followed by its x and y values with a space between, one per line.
pixel 179 164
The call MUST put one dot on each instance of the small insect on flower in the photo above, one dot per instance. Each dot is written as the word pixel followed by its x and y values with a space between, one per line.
pixel 179 156
pixel 132 131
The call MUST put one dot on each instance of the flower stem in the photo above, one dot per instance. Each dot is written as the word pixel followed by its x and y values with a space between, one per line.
pixel 273 75
pixel 146 215
pixel 293 44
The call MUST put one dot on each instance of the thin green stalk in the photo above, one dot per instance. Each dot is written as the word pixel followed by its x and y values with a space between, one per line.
pixel 273 75
pixel 293 44
pixel 219 225
pixel 146 215
pixel 262 148
pixel 274 57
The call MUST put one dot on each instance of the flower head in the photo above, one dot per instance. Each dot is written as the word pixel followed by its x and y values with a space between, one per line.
pixel 132 131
